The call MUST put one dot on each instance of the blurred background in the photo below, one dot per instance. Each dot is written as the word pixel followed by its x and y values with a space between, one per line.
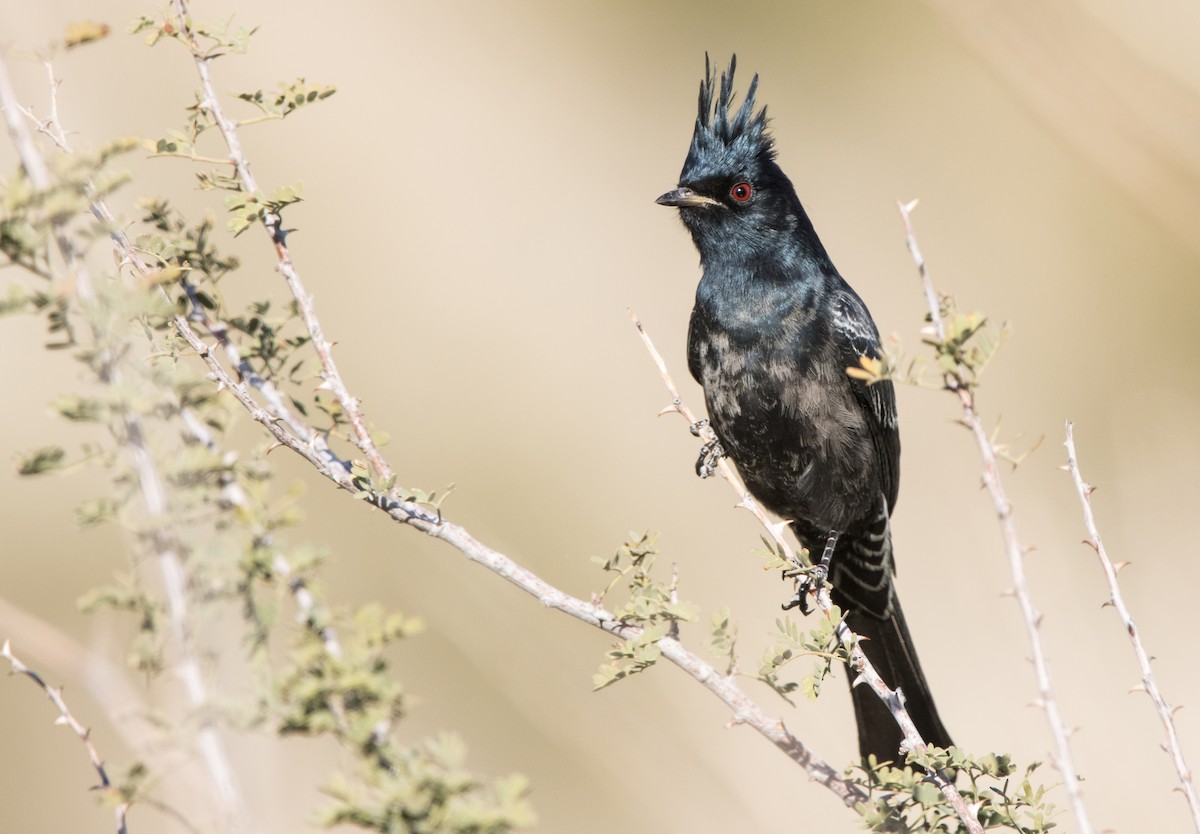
pixel 478 216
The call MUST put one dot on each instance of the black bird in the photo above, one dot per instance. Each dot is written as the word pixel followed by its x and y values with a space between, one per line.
pixel 773 331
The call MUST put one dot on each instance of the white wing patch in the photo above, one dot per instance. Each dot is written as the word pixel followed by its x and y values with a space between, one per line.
pixel 851 320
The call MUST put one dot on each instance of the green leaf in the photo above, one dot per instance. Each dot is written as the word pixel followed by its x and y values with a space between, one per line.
pixel 40 461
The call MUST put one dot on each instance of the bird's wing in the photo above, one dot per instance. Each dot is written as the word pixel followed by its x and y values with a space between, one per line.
pixel 697 332
pixel 858 338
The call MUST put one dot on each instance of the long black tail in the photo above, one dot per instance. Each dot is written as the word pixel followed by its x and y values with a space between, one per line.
pixel 890 649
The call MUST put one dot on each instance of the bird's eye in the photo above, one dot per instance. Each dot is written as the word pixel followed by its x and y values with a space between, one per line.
pixel 741 192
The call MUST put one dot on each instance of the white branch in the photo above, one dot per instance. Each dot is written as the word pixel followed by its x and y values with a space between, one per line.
pixel 1149 684
pixel 1032 618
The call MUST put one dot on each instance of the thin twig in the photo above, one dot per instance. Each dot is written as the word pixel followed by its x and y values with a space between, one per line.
pixel 1166 714
pixel 50 127
pixel 1016 552
pixel 330 377
pixel 84 734
pixel 893 699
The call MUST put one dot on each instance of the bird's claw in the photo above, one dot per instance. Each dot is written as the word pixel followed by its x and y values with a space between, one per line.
pixel 710 459
pixel 813 581
pixel 697 427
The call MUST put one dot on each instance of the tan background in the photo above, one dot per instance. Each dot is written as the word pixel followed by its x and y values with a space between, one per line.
pixel 479 214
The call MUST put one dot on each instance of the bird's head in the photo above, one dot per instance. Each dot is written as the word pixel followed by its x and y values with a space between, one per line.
pixel 732 196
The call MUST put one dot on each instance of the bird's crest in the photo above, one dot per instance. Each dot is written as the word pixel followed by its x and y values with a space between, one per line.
pixel 718 133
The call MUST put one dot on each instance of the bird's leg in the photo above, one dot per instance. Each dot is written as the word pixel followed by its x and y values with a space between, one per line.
pixel 710 459
pixel 814 577
pixel 710 453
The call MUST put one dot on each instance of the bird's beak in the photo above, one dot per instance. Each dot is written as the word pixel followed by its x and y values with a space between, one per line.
pixel 685 197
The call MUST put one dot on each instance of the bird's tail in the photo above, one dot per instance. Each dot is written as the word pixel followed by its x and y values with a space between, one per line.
pixel 890 649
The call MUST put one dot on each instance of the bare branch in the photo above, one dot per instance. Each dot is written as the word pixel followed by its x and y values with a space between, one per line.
pixel 84 734
pixel 1016 552
pixel 1149 684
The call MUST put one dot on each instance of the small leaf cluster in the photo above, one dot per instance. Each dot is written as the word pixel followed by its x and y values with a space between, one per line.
pixel 287 98
pixel 351 694
pixel 821 642
pixel 212 40
pixel 776 558
pixel 907 800
pixel 247 210
pixel 82 32
pixel 426 790
pixel 970 343
pixel 722 640
pixel 186 247
pixel 146 650
pixel 652 606
pixel 40 461
pixel 31 218
pixel 188 252
pixel 380 490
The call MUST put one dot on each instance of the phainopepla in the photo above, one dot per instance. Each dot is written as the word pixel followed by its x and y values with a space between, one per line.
pixel 773 331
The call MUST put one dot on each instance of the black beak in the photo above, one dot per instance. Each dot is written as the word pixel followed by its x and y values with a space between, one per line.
pixel 685 198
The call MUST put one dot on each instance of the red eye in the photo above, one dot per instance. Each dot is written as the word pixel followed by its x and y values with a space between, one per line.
pixel 741 192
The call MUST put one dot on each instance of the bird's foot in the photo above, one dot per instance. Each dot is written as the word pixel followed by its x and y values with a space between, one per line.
pixel 697 427
pixel 809 581
pixel 710 459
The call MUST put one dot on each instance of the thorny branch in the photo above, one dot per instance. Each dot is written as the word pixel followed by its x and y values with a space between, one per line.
pixel 1149 684
pixel 330 377
pixel 1016 552
pixel 893 699
pixel 85 734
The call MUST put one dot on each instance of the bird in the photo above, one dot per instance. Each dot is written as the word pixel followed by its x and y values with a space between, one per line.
pixel 772 333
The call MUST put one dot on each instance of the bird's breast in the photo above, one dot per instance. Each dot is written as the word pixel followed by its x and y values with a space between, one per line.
pixel 785 417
